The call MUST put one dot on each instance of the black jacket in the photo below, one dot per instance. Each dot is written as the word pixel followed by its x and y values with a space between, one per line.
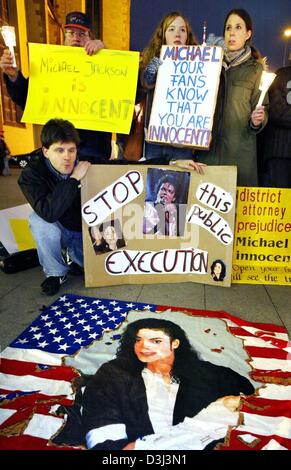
pixel 277 134
pixel 95 146
pixel 116 397
pixel 51 198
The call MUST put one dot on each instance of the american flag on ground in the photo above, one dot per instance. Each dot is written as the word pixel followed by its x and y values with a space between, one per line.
pixel 34 381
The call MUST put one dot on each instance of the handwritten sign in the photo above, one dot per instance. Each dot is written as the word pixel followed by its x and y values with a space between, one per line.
pixel 262 245
pixel 117 249
pixel 187 261
pixel 185 96
pixel 115 196
pixel 93 92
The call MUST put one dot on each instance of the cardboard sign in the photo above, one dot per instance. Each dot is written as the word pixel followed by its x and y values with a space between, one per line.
pixel 158 224
pixel 93 92
pixel 15 234
pixel 185 96
pixel 262 247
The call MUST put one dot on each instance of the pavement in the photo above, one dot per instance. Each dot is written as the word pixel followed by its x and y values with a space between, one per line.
pixel 21 298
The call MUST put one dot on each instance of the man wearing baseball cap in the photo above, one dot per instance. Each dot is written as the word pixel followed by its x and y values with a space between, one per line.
pixel 95 146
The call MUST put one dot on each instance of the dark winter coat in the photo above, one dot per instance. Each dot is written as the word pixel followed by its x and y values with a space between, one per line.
pixel 278 132
pixel 233 137
pixel 51 198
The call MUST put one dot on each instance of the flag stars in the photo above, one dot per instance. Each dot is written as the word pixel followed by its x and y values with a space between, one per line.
pixel 54 307
pixel 68 326
pixel 37 336
pixel 90 310
pixel 53 331
pixel 113 302
pixel 81 322
pixel 76 315
pixel 71 309
pixel 147 307
pixel 63 319
pixel 57 339
pixel 22 341
pixel 73 333
pixel 117 309
pixel 95 317
pixel 112 318
pixel 84 306
pixel 63 347
pixel 93 335
pixel 49 324
pixel 43 344
pixel 129 305
pixel 79 340
pixel 97 301
pixel 63 298
pixel 79 301
pixel 45 317
pixel 67 304
pixel 33 329
pixel 87 328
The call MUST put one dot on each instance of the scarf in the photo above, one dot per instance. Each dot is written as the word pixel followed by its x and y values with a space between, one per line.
pixel 232 59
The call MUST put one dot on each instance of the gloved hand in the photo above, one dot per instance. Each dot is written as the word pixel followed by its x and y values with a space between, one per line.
pixel 150 74
pixel 213 40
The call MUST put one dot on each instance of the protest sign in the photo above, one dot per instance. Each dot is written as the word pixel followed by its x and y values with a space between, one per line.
pixel 185 96
pixel 93 92
pixel 155 224
pixel 262 247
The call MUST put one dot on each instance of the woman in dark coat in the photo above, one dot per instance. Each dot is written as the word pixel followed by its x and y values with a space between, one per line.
pixel 237 119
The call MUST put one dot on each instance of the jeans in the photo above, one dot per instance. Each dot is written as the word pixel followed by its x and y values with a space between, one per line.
pixel 51 239
pixel 167 151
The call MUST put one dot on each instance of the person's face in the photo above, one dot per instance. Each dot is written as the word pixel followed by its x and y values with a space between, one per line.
pixel 62 156
pixel 217 269
pixel 95 232
pixel 109 234
pixel 154 345
pixel 176 33
pixel 76 37
pixel 166 193
pixel 236 34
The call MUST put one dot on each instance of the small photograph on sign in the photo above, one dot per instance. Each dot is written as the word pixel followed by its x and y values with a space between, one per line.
pixel 218 270
pixel 107 237
pixel 165 202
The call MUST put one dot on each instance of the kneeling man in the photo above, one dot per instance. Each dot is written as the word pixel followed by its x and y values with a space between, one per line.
pixel 51 184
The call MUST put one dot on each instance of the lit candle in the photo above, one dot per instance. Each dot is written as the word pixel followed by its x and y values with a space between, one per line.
pixel 204 33
pixel 267 79
pixel 8 33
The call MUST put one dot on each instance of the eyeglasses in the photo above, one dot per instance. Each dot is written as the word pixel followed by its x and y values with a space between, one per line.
pixel 78 34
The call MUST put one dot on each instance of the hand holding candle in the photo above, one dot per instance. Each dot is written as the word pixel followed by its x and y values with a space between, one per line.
pixel 267 79
pixel 8 33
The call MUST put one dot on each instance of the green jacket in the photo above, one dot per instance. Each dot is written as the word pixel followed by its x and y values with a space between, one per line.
pixel 233 138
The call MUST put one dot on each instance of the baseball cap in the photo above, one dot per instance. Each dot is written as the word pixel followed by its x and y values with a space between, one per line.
pixel 77 19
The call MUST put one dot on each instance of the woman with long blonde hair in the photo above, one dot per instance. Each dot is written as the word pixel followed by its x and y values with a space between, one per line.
pixel 173 30
pixel 158 39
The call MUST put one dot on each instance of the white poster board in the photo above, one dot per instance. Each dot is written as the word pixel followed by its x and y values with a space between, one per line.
pixel 185 96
